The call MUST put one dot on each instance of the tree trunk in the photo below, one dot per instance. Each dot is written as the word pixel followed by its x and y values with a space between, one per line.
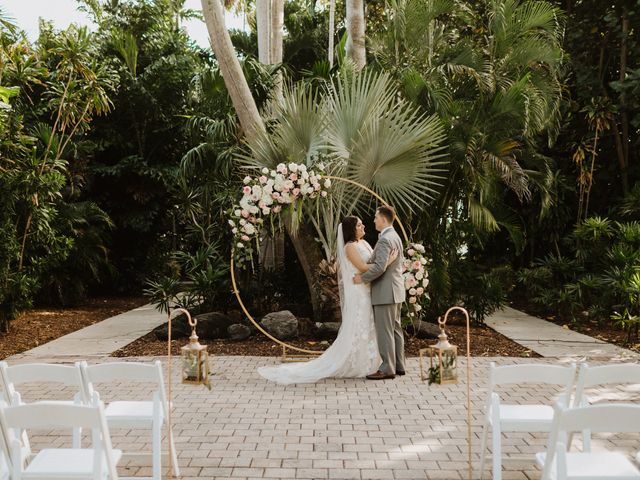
pixel 277 24
pixel 355 33
pixel 310 256
pixel 332 30
pixel 234 79
pixel 263 23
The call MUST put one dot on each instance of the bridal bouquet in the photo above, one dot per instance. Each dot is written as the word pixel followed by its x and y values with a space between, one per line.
pixel 269 193
pixel 416 278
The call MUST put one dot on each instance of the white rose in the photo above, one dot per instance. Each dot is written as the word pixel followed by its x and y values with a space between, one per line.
pixel 425 282
pixel 247 180
pixel 234 231
pixel 293 167
pixel 303 168
pixel 243 221
pixel 265 170
pixel 327 183
pixel 423 261
pixel 253 209
pixel 412 291
pixel 232 223
pixel 305 174
pixel 419 276
pixel 240 245
pixel 249 229
pixel 412 299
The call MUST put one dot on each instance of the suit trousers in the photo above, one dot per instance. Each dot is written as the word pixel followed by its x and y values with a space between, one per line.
pixel 390 337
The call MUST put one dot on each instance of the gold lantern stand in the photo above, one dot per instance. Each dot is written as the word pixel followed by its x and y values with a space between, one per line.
pixel 202 365
pixel 443 345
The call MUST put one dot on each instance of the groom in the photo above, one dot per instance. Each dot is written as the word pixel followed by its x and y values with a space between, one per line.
pixel 387 295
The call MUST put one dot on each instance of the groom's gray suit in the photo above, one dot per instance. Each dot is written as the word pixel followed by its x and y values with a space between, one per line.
pixel 387 295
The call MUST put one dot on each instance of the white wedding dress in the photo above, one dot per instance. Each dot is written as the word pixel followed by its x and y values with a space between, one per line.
pixel 354 353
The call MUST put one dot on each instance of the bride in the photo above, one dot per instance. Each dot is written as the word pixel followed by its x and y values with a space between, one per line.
pixel 354 353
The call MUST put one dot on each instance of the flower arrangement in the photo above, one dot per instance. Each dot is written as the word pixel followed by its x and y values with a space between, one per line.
pixel 416 278
pixel 269 193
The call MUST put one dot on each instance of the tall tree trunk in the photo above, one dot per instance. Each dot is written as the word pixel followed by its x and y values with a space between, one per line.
pixel 355 33
pixel 310 255
pixel 234 79
pixel 277 24
pixel 332 30
pixel 263 23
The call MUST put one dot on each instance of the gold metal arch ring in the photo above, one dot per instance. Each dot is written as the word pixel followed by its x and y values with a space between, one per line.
pixel 236 291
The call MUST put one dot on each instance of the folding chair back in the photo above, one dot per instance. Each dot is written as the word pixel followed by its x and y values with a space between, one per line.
pixel 96 463
pixel 533 373
pixel 620 374
pixel 14 375
pixel 618 418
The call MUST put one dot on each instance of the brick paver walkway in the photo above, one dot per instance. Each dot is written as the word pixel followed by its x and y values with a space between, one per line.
pixel 248 428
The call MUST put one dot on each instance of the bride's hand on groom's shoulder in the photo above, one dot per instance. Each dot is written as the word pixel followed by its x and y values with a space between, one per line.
pixel 392 257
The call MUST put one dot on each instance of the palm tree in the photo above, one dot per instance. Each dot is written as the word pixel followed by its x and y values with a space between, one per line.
pixel 495 76
pixel 355 33
pixel 235 81
pixel 369 135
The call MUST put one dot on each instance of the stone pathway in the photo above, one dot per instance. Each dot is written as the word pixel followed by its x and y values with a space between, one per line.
pixel 98 340
pixel 248 428
pixel 550 340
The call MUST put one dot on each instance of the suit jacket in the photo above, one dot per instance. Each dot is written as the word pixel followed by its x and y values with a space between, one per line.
pixel 387 283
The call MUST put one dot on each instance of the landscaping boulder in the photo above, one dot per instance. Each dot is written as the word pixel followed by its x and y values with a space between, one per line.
pixel 179 328
pixel 213 325
pixel 423 329
pixel 282 325
pixel 238 332
pixel 327 330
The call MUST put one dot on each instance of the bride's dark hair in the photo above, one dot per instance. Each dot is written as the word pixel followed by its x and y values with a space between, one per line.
pixel 349 225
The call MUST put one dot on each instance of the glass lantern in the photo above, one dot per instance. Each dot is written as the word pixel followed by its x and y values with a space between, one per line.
pixel 195 360
pixel 443 359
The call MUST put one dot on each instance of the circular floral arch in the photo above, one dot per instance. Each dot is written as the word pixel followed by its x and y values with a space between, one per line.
pixel 286 185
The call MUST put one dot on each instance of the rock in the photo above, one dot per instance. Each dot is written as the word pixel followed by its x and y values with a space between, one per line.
pixel 213 325
pixel 282 325
pixel 305 327
pixel 423 329
pixel 179 328
pixel 327 330
pixel 238 332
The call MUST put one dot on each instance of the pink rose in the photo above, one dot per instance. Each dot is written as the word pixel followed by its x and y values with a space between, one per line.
pixel 244 238
pixel 411 252
pixel 323 193
pixel 275 195
pixel 276 209
pixel 247 190
pixel 296 192
pixel 263 179
pixel 245 213
pixel 419 290
pixel 416 265
pixel 293 177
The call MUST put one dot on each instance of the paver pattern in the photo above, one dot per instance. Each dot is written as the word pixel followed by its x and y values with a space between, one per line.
pixel 248 428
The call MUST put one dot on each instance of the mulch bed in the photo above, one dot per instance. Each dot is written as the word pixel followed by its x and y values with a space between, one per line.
pixel 41 325
pixel 485 342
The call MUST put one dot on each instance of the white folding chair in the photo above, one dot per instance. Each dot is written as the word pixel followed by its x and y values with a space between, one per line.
pixel 5 465
pixel 519 418
pixel 150 414
pixel 613 374
pixel 43 373
pixel 95 463
pixel 558 464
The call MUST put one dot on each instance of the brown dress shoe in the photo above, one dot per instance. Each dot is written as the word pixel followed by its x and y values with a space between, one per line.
pixel 380 376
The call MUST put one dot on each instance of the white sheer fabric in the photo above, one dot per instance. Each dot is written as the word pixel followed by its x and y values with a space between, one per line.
pixel 354 353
